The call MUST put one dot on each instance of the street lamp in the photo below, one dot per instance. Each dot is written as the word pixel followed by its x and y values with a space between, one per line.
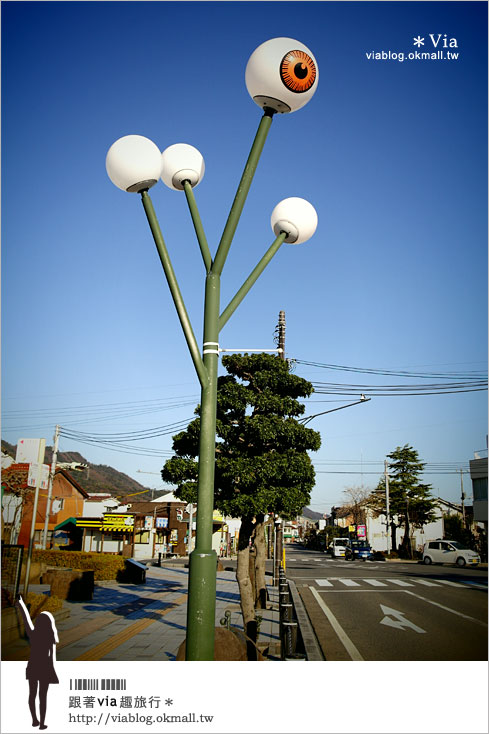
pixel 308 418
pixel 281 76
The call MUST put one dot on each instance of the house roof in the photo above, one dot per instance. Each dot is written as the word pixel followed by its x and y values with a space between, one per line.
pixel 24 468
pixel 147 508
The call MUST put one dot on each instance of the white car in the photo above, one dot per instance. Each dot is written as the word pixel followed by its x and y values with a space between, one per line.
pixel 337 547
pixel 449 551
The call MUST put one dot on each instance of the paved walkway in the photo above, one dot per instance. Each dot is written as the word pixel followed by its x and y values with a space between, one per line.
pixel 141 622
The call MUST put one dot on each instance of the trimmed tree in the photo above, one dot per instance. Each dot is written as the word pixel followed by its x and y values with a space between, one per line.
pixel 410 499
pixel 262 464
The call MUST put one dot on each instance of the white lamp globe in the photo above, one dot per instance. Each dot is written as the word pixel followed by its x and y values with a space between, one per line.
pixel 179 163
pixel 296 217
pixel 133 163
pixel 282 74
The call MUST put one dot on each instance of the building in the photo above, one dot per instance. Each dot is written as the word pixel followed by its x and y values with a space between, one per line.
pixel 478 475
pixel 376 527
pixel 68 500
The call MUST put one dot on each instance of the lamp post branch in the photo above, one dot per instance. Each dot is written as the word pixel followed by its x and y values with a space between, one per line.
pixel 174 289
pixel 242 192
pixel 251 280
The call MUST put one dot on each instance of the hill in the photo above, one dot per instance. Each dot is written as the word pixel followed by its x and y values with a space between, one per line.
pixel 311 514
pixel 103 478
pixel 96 477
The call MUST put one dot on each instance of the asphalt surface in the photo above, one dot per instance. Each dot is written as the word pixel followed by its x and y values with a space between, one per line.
pixel 388 610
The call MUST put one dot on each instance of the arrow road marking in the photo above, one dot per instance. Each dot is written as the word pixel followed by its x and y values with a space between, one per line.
pixel 399 620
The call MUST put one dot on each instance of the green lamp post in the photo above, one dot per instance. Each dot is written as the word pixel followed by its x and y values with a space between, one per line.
pixel 281 76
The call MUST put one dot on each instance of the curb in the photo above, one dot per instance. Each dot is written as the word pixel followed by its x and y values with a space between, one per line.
pixel 311 646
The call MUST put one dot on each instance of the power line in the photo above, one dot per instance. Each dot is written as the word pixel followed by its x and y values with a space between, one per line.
pixel 467 375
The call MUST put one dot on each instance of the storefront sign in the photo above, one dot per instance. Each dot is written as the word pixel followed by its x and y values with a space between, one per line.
pixel 118 520
pixel 161 522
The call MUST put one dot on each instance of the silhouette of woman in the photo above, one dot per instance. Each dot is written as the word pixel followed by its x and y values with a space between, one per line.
pixel 40 672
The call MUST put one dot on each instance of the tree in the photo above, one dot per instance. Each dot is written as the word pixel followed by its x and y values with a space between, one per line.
pixel 411 504
pixel 453 529
pixel 16 495
pixel 262 465
pixel 355 504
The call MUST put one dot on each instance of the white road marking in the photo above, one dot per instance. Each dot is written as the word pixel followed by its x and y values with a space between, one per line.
pixel 447 609
pixel 423 582
pixel 451 583
pixel 399 582
pixel 342 636
pixel 374 582
pixel 399 620
pixel 323 582
pixel 348 582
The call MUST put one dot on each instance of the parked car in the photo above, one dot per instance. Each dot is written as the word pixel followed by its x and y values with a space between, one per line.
pixel 449 551
pixel 358 549
pixel 338 546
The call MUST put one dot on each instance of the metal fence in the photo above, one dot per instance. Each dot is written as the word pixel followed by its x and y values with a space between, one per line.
pixel 11 569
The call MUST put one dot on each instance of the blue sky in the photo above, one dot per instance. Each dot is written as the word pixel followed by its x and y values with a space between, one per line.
pixel 392 155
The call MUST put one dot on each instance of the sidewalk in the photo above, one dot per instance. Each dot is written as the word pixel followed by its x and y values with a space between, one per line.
pixel 141 622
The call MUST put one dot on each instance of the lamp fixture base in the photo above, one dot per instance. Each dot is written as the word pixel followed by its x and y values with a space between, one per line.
pixel 141 186
pixel 273 104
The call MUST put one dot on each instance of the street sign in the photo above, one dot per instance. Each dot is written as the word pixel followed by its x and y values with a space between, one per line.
pixel 30 451
pixel 34 473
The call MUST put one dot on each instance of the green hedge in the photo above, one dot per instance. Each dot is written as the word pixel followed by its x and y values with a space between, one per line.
pixel 106 567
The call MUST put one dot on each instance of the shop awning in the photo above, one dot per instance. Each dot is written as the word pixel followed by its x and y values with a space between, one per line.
pixel 68 521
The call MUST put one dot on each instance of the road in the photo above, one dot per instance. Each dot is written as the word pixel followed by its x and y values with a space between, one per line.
pixel 368 610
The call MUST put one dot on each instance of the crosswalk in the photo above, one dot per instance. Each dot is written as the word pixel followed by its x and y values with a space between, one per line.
pixel 350 583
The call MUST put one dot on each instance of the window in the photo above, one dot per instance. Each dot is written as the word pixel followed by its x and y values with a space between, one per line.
pixel 434 546
pixel 141 536
pixel 479 487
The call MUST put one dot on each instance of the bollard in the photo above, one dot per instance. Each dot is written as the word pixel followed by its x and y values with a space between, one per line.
pixel 286 612
pixel 159 560
pixel 289 638
pixel 283 597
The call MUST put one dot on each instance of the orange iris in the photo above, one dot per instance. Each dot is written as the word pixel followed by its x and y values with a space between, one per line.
pixel 298 71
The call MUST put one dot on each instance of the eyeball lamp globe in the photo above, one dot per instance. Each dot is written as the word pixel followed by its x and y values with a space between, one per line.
pixel 179 163
pixel 282 74
pixel 133 163
pixel 296 217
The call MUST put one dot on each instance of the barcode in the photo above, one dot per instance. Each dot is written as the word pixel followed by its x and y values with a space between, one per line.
pixel 95 684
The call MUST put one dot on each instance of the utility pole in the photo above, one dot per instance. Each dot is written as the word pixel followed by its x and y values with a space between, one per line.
pixel 190 510
pixel 463 496
pixel 40 462
pixel 387 507
pixel 279 527
pixel 50 487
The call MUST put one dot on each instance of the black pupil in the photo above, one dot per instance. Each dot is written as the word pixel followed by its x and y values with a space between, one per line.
pixel 300 70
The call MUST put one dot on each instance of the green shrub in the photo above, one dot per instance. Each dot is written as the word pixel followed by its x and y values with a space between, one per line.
pixel 106 567
pixel 41 603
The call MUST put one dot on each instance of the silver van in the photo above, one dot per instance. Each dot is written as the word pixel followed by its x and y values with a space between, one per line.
pixel 449 551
